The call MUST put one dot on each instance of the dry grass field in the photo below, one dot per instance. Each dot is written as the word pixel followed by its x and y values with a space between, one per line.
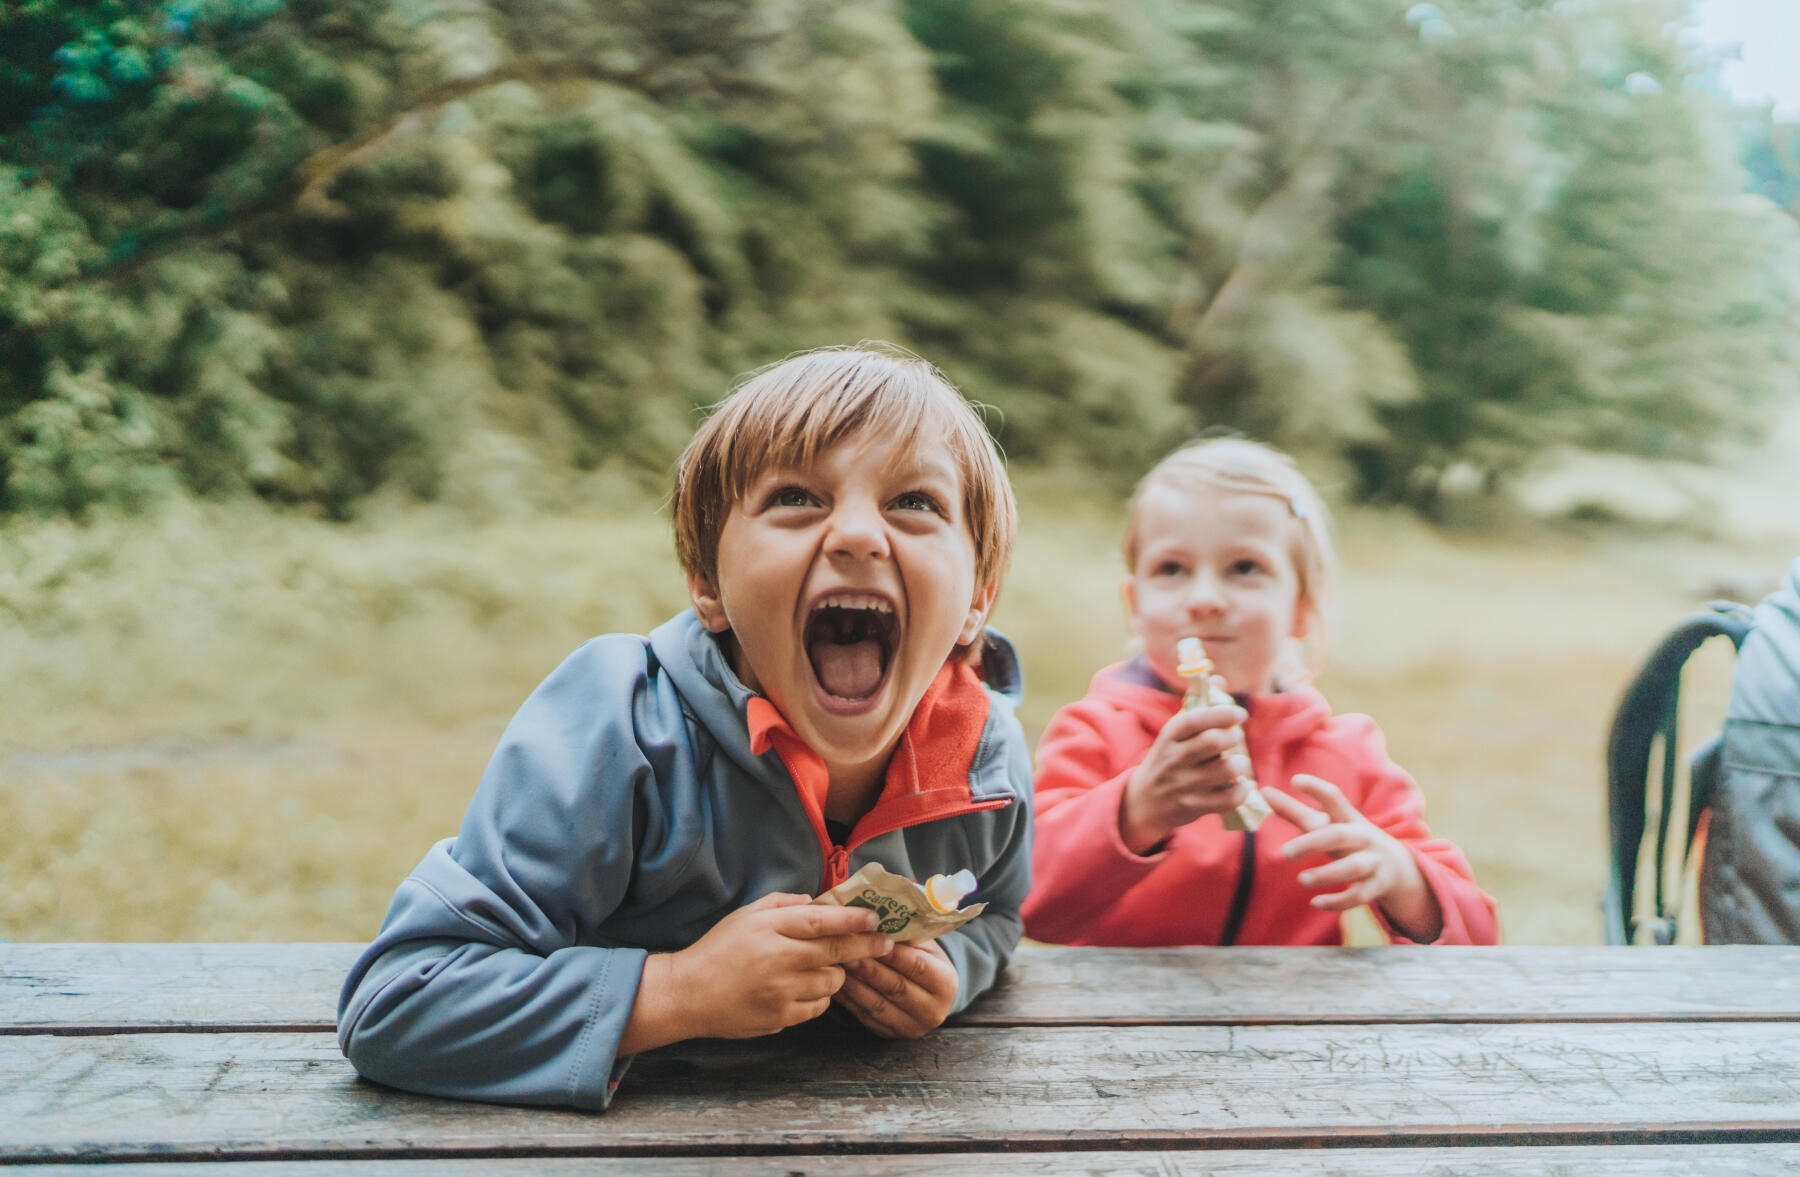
pixel 219 726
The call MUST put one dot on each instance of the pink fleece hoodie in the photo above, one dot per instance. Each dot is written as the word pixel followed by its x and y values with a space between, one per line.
pixel 1088 888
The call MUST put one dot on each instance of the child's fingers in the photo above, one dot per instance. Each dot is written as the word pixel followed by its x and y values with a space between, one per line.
pixel 1331 799
pixel 1188 725
pixel 1357 895
pixel 1348 870
pixel 1294 810
pixel 1334 838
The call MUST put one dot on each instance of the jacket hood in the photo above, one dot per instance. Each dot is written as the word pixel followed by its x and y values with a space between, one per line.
pixel 690 655
pixel 1282 718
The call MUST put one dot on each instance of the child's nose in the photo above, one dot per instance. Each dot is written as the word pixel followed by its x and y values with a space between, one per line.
pixel 856 532
pixel 1206 594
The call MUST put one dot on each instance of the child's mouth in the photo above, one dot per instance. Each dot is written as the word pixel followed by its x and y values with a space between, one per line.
pixel 849 641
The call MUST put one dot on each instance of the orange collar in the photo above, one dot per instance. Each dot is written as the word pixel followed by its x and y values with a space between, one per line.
pixel 927 776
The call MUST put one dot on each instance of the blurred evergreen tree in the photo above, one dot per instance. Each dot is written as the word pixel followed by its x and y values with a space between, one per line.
pixel 306 250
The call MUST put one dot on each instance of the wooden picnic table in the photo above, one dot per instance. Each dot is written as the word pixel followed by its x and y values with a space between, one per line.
pixel 223 1059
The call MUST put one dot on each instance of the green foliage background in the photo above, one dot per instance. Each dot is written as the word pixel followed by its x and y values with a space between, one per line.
pixel 307 250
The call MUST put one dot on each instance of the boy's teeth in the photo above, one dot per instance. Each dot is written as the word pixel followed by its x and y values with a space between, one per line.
pixel 854 601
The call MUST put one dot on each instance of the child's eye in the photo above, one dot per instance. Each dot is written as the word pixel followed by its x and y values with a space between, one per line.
pixel 917 500
pixel 1168 568
pixel 1246 567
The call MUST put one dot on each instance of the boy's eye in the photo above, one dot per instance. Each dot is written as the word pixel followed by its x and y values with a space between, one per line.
pixel 917 500
pixel 791 496
pixel 1168 568
pixel 1246 567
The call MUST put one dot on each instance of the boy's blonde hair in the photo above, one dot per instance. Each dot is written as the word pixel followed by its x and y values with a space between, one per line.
pixel 791 412
pixel 1248 467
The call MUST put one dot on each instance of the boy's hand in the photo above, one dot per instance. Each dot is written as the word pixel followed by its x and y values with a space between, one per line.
pixel 904 994
pixel 1369 864
pixel 765 967
pixel 1195 767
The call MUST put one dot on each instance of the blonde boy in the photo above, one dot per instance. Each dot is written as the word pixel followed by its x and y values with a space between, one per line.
pixel 635 867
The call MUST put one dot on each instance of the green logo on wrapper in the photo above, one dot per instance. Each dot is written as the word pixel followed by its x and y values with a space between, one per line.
pixel 893 914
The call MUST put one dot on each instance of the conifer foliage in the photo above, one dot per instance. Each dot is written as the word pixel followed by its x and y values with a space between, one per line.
pixel 305 250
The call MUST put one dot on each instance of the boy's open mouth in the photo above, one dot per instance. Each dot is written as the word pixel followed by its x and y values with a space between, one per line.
pixel 849 641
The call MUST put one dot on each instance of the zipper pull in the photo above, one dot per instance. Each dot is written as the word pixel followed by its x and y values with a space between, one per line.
pixel 837 867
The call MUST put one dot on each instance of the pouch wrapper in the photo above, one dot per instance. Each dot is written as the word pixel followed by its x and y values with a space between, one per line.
pixel 900 904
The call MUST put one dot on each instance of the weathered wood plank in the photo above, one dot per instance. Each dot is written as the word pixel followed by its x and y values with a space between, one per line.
pixel 1249 986
pixel 122 987
pixel 1714 1160
pixel 75 988
pixel 274 1095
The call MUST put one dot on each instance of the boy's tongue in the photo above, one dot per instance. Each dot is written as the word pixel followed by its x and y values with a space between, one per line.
pixel 849 670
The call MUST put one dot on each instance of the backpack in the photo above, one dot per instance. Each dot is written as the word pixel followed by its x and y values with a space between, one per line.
pixel 1746 781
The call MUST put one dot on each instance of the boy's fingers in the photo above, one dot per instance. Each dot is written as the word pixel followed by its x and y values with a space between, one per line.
pixel 820 984
pixel 844 950
pixel 870 1007
pixel 777 899
pixel 881 1014
pixel 915 963
pixel 811 921
pixel 882 977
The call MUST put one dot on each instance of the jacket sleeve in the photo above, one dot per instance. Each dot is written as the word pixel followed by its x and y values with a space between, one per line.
pixel 1080 864
pixel 1393 801
pixel 980 948
pixel 485 981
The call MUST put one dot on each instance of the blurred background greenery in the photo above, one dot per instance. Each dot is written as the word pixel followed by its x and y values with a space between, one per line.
pixel 345 348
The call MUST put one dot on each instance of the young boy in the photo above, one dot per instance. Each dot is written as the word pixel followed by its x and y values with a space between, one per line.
pixel 636 865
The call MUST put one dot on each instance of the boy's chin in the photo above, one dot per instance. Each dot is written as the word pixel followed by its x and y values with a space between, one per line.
pixel 858 730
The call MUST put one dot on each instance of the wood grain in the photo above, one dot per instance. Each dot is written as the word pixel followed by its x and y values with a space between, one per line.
pixel 1728 1160
pixel 282 1095
pixel 1249 986
pixel 107 988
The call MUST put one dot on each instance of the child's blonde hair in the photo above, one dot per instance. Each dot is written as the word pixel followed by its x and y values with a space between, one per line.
pixel 1247 467
pixel 789 413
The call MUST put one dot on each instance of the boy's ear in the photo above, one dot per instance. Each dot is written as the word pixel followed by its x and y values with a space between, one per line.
pixel 978 614
pixel 707 606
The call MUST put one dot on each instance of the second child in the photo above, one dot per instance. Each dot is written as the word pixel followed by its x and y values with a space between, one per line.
pixel 1229 543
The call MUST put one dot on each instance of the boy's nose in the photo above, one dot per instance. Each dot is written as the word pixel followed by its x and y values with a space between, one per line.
pixel 856 532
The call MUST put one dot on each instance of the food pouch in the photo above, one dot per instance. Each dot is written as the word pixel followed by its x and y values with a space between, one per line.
pixel 905 908
pixel 1202 691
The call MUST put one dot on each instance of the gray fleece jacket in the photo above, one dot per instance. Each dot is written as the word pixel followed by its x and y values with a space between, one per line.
pixel 637 798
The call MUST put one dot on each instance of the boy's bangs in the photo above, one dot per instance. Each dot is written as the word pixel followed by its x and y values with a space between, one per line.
pixel 786 433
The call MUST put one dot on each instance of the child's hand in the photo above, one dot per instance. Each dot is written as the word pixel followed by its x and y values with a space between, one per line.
pixel 905 994
pixel 1195 767
pixel 769 965
pixel 1369 864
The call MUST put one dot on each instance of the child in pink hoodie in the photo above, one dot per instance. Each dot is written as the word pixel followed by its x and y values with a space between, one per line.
pixel 1229 543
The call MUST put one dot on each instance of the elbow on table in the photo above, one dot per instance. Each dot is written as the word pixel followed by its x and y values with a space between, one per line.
pixel 378 1014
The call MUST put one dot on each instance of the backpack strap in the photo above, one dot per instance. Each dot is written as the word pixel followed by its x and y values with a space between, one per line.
pixel 1649 712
